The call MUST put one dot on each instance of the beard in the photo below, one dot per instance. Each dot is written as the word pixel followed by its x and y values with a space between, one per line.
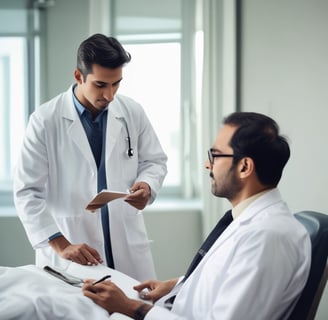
pixel 226 186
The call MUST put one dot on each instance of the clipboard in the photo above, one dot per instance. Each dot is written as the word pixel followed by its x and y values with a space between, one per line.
pixel 103 197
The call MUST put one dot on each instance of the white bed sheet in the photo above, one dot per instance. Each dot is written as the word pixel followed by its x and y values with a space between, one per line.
pixel 28 292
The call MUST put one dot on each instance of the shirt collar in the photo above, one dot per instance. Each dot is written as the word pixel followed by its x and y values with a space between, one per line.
pixel 238 209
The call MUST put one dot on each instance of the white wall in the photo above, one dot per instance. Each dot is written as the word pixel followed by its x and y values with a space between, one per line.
pixel 176 234
pixel 15 249
pixel 285 75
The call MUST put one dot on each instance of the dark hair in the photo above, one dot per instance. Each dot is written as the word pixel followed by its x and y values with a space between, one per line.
pixel 102 50
pixel 257 136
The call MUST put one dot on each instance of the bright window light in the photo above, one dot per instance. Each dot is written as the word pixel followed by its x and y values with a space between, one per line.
pixel 153 79
pixel 12 104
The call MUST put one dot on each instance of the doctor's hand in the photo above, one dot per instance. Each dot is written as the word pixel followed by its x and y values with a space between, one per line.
pixel 140 194
pixel 153 289
pixel 110 297
pixel 79 253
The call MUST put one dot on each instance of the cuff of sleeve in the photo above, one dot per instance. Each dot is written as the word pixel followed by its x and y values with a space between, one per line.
pixel 54 236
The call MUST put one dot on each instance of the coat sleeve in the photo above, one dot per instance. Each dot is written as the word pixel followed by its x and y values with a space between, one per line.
pixel 30 180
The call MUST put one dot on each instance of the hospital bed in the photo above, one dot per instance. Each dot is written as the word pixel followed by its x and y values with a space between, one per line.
pixel 29 292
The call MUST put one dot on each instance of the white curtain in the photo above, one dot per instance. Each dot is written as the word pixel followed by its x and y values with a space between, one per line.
pixel 218 90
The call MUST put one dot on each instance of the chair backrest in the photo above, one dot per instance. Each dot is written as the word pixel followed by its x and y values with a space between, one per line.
pixel 316 224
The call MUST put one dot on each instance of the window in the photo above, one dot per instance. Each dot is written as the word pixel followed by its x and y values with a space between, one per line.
pixel 17 90
pixel 158 35
pixel 162 101
pixel 12 103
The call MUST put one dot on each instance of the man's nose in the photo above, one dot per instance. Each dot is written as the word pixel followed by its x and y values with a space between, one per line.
pixel 208 164
pixel 109 94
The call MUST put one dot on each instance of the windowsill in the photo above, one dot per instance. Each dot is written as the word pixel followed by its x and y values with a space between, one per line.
pixel 159 205
pixel 7 211
pixel 174 204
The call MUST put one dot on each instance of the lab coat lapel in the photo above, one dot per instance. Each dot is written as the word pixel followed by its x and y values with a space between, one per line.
pixel 114 126
pixel 228 232
pixel 77 133
pixel 75 130
pixel 246 217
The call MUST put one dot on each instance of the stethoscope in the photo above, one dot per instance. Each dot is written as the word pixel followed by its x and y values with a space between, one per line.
pixel 130 151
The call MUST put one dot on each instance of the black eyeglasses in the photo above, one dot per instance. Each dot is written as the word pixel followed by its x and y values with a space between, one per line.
pixel 211 156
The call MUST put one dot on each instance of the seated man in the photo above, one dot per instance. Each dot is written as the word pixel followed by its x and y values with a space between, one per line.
pixel 258 266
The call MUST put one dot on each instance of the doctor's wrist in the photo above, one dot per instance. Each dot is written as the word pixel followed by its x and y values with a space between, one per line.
pixel 59 243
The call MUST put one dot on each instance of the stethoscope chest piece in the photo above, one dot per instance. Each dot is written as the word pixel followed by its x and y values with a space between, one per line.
pixel 130 151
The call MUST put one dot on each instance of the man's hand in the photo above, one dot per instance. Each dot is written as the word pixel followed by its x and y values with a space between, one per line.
pixel 140 194
pixel 156 289
pixel 110 297
pixel 79 253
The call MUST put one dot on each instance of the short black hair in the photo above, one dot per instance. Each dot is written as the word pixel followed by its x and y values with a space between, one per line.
pixel 100 49
pixel 257 136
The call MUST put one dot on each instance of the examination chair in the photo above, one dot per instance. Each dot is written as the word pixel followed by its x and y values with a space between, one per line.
pixel 317 226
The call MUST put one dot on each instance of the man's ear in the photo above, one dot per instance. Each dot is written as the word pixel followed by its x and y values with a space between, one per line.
pixel 78 76
pixel 246 167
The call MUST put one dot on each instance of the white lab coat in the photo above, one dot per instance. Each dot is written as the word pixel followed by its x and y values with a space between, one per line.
pixel 254 271
pixel 56 176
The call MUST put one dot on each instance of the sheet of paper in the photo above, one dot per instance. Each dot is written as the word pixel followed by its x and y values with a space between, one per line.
pixel 123 281
pixel 104 197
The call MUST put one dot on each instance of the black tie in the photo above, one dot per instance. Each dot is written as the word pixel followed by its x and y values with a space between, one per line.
pixel 97 140
pixel 215 233
pixel 102 184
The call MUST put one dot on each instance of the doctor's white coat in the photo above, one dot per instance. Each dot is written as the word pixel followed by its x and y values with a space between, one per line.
pixel 56 176
pixel 256 269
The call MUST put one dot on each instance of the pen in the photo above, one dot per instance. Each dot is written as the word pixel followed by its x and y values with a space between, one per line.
pixel 101 279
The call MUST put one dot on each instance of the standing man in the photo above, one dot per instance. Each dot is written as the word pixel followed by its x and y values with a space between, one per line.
pixel 84 140
pixel 258 266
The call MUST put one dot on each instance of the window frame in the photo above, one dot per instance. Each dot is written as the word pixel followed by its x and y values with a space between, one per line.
pixel 31 37
pixel 189 187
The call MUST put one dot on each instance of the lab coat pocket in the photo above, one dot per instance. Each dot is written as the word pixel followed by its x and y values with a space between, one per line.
pixel 136 232
pixel 84 228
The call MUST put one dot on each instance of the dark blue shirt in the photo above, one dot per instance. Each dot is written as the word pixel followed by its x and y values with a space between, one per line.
pixel 95 128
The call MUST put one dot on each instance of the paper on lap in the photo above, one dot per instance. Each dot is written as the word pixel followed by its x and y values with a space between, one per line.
pixel 124 282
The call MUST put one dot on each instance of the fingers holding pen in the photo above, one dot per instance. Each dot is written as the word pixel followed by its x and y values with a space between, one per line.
pixel 106 294
pixel 95 292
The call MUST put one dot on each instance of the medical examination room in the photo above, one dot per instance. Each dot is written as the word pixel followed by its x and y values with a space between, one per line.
pixel 185 66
